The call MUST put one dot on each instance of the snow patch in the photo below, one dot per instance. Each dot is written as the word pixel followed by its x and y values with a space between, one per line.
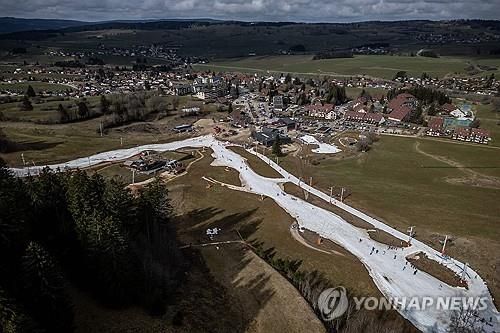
pixel 324 148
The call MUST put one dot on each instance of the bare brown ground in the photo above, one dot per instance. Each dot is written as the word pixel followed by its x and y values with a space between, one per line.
pixel 432 267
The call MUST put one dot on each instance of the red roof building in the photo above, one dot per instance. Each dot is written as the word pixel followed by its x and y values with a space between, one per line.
pixel 363 117
pixel 435 126
pixel 401 107
pixel 476 135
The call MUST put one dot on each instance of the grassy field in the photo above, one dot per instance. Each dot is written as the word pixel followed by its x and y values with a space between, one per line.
pixel 378 66
pixel 44 109
pixel 44 143
pixel 39 87
pixel 490 120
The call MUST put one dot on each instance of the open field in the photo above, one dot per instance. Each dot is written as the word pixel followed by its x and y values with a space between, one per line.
pixel 377 66
pixel 39 87
pixel 44 143
pixel 45 110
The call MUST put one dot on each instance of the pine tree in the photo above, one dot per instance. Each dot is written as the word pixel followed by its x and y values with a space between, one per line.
pixel 277 146
pixel 44 288
pixel 120 203
pixel 83 110
pixel 63 114
pixel 30 92
pixel 26 104
pixel 105 105
pixel 13 319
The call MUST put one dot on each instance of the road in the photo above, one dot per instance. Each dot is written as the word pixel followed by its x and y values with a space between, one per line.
pixel 385 267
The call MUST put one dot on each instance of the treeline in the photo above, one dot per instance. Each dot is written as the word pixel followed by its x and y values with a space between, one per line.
pixel 74 228
pixel 335 94
pixel 5 144
pixel 311 284
pixel 123 109
pixel 333 54
pixel 423 94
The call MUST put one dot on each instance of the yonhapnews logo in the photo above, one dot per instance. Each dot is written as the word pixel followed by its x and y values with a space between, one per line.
pixel 333 303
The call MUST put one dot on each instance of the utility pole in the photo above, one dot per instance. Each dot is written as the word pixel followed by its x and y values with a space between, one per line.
pixel 342 195
pixel 331 194
pixel 121 141
pixel 100 127
pixel 133 176
pixel 22 157
pixel 444 245
pixel 410 231
pixel 464 271
pixel 311 181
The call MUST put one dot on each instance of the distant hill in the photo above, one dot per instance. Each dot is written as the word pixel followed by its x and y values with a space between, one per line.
pixel 12 24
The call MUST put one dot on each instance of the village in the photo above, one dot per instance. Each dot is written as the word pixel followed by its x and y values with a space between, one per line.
pixel 273 104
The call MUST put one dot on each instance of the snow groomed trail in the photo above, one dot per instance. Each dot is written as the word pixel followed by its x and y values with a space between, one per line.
pixel 385 267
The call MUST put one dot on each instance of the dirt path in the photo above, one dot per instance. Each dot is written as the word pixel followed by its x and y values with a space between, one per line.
pixel 296 235
pixel 472 178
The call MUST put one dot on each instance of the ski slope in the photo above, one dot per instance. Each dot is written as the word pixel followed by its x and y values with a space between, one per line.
pixel 386 271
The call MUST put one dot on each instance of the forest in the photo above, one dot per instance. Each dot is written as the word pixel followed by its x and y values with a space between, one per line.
pixel 72 228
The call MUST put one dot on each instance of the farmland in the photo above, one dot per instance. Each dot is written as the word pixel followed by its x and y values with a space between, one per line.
pixel 383 66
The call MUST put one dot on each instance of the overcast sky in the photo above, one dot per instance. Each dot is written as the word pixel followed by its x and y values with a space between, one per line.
pixel 253 10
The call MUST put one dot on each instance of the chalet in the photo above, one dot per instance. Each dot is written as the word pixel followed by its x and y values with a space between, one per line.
pixel 435 126
pixel 325 111
pixel 364 117
pixel 278 103
pixel 268 136
pixel 475 135
pixel 448 108
pixel 402 107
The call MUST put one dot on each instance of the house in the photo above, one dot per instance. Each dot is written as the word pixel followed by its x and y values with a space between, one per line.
pixel 278 103
pixel 447 108
pixel 455 111
pixel 268 136
pixel 435 126
pixel 364 117
pixel 325 111
pixel 183 89
pixel 475 135
pixel 402 107
pixel 285 124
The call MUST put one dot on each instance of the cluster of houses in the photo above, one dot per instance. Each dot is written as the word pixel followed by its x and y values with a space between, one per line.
pixel 456 123
pixel 367 110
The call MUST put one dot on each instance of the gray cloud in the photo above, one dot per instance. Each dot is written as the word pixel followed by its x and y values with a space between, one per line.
pixel 254 10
